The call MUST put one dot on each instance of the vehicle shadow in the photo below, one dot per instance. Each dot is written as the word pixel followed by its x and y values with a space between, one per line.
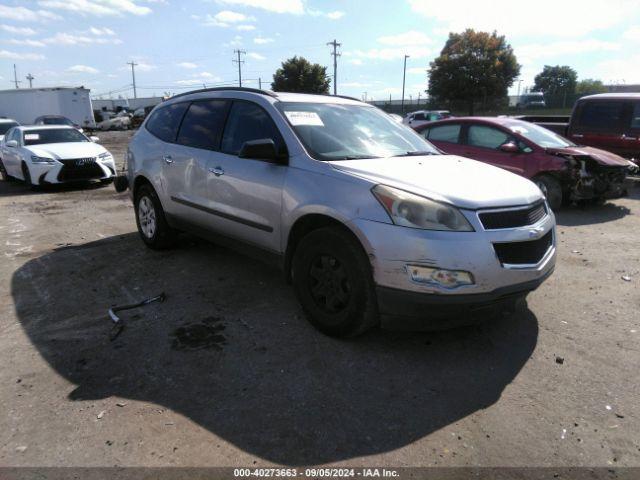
pixel 16 188
pixel 230 350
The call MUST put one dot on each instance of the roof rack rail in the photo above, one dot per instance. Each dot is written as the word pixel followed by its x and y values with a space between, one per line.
pixel 232 89
pixel 346 97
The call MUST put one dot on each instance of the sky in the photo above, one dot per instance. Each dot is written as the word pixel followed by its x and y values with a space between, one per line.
pixel 184 44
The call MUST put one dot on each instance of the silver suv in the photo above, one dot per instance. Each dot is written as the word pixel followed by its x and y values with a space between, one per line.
pixel 369 221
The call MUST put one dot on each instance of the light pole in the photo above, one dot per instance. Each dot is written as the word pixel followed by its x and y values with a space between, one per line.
pixel 404 74
pixel 519 83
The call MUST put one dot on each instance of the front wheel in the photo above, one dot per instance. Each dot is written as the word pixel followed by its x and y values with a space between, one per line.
pixel 3 173
pixel 152 224
pixel 333 282
pixel 551 189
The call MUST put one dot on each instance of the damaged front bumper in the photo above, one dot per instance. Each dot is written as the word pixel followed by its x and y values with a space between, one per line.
pixel 590 180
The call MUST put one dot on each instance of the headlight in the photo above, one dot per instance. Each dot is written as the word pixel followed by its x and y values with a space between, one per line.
pixel 46 160
pixel 414 211
pixel 105 156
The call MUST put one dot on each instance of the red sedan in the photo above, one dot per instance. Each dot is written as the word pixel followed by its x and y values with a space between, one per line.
pixel 564 171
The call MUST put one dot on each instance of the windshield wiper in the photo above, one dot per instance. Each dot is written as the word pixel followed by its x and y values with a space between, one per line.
pixel 353 157
pixel 416 154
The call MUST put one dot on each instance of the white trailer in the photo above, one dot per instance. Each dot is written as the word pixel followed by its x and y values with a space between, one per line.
pixel 26 104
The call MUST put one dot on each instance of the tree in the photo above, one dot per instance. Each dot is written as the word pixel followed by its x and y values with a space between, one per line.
pixel 555 80
pixel 589 86
pixel 297 74
pixel 473 66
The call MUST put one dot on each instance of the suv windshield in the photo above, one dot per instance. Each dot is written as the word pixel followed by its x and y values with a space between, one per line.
pixel 540 135
pixel 55 121
pixel 5 126
pixel 53 135
pixel 348 132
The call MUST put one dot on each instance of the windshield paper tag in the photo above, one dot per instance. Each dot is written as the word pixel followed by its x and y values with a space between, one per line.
pixel 304 118
pixel 31 136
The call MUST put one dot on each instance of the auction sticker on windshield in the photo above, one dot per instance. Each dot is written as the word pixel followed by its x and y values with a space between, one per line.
pixel 31 136
pixel 304 118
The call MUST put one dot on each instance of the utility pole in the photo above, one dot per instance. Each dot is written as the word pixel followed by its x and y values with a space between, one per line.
pixel 133 76
pixel 260 83
pixel 30 78
pixel 404 74
pixel 239 62
pixel 335 64
pixel 15 76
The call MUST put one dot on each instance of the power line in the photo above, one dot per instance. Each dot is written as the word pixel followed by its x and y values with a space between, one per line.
pixel 335 55
pixel 133 75
pixel 239 62
pixel 31 78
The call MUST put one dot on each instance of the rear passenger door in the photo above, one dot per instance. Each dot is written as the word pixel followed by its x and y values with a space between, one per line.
pixel 199 141
pixel 246 194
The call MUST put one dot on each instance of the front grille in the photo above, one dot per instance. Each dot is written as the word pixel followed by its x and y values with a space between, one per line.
pixel 80 169
pixel 524 253
pixel 513 218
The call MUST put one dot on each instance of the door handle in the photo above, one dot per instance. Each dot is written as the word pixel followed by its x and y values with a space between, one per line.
pixel 577 135
pixel 625 137
pixel 167 158
pixel 217 171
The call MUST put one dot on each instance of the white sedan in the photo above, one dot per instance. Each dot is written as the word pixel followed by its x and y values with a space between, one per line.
pixel 41 155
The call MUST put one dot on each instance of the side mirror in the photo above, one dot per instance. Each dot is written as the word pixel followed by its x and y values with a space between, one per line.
pixel 262 149
pixel 11 143
pixel 509 147
pixel 94 139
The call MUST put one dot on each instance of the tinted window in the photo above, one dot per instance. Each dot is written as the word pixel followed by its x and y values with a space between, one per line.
pixel 165 121
pixel 5 126
pixel 635 116
pixel 247 121
pixel 488 137
pixel 601 116
pixel 419 116
pixel 444 133
pixel 202 125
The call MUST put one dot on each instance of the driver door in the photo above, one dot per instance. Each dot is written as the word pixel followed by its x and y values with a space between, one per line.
pixel 245 195
pixel 483 143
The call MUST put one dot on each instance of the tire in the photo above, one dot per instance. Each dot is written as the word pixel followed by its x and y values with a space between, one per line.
pixel 333 282
pixel 3 173
pixel 551 189
pixel 150 219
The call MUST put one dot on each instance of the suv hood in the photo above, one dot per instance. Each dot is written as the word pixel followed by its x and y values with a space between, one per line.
pixel 601 156
pixel 67 150
pixel 459 181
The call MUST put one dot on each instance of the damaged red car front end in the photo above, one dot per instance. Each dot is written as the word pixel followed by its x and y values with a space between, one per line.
pixel 565 172
pixel 592 173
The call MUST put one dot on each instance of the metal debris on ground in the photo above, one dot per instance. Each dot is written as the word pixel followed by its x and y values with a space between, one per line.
pixel 626 278
pixel 118 324
pixel 559 360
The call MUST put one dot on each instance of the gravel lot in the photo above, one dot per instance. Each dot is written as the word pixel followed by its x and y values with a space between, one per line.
pixel 226 372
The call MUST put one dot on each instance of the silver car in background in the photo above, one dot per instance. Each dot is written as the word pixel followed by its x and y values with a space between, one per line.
pixel 369 221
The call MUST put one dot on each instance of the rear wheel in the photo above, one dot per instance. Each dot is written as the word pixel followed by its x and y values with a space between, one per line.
pixel 152 224
pixel 333 282
pixel 551 189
